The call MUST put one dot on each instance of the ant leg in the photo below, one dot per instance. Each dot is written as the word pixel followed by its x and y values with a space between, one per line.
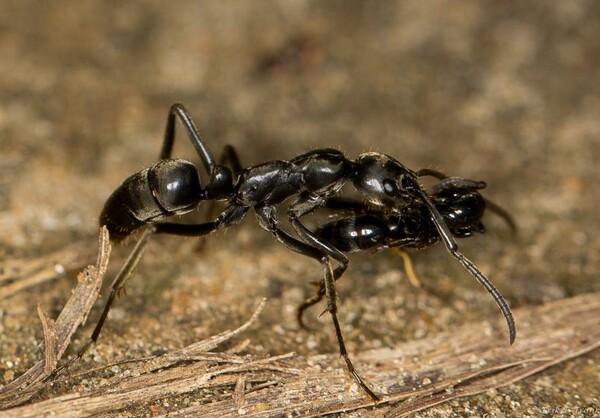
pixel 301 206
pixel 408 268
pixel 503 214
pixel 179 111
pixel 316 298
pixel 331 295
pixel 267 218
pixel 232 215
pixel 119 283
pixel 431 173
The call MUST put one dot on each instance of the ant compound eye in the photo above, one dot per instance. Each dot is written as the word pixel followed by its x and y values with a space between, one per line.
pixel 175 185
pixel 390 188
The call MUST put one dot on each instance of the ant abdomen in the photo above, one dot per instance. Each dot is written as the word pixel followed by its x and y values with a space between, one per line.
pixel 169 187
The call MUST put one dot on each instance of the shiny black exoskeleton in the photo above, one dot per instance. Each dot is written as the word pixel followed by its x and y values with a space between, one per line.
pixel 310 181
pixel 362 228
pixel 457 200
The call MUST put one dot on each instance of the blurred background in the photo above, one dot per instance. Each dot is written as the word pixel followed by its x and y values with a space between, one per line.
pixel 506 92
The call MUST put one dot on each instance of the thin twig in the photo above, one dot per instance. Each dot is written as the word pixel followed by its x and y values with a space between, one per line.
pixel 413 375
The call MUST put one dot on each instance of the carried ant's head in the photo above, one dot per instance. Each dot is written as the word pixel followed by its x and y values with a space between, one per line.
pixel 175 185
pixel 383 181
pixel 460 204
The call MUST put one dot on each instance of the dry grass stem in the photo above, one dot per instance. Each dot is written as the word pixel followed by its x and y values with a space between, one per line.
pixel 412 376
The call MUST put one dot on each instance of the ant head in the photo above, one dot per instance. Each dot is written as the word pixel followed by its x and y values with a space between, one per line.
pixel 460 204
pixel 175 185
pixel 383 181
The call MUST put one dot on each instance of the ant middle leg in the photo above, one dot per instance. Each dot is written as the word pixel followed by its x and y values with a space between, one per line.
pixel 331 295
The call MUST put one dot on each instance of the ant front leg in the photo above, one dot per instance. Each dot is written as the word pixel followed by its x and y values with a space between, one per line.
pixel 301 206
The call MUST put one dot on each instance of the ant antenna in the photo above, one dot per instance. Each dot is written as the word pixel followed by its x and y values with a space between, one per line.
pixel 452 248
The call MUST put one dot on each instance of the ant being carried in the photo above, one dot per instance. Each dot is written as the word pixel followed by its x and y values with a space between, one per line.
pixel 397 211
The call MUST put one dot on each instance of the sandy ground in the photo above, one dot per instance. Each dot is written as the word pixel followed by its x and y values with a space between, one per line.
pixel 504 92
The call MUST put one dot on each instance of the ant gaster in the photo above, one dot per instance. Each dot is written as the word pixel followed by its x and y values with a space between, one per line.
pixel 173 187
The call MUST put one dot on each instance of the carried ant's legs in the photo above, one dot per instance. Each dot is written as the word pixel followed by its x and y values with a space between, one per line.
pixel 267 218
pixel 503 214
pixel 313 300
pixel 179 111
pixel 344 205
pixel 408 268
pixel 431 173
pixel 318 296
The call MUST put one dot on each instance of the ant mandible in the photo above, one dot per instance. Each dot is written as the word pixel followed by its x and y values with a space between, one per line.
pixel 172 187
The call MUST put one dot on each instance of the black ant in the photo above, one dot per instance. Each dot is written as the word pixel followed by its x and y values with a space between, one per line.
pixel 172 187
